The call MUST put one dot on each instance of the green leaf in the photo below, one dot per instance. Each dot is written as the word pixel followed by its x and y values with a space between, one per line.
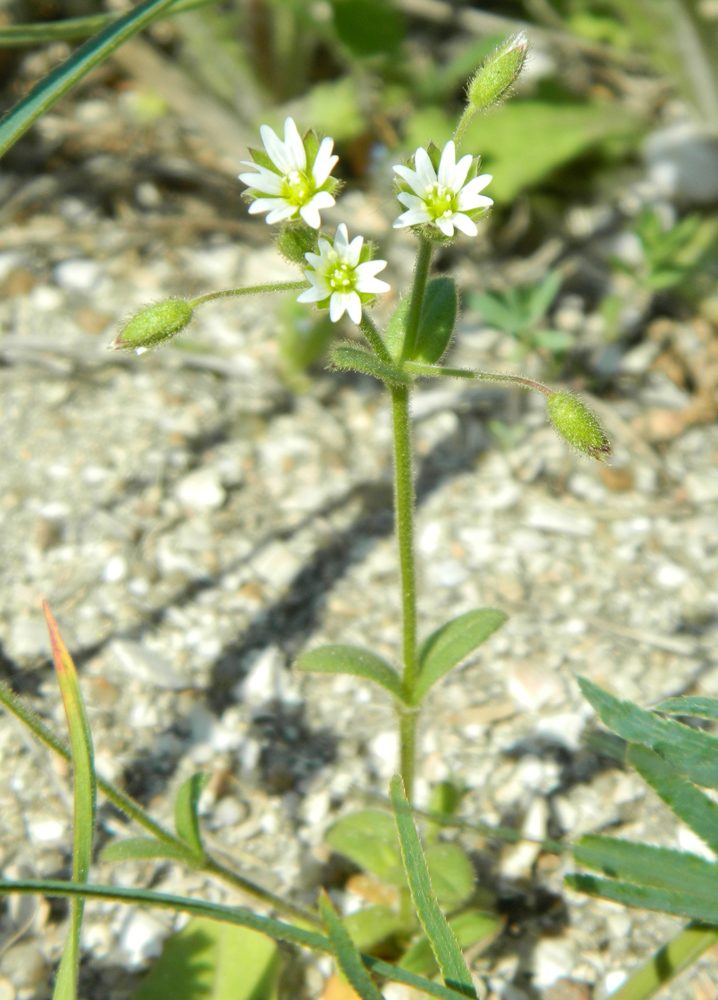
pixel 556 341
pixel 668 962
pixel 186 818
pixel 85 798
pixel 451 872
pixel 681 904
pixel 446 950
pixel 57 83
pixel 236 915
pixel 647 865
pixel 144 848
pixel 688 803
pixel 348 958
pixel 368 27
pixel 543 294
pixel 699 708
pixel 396 329
pixel 210 959
pixel 355 661
pixel 373 925
pixel 438 318
pixel 360 360
pixel 452 643
pixel 368 838
pixel 691 751
pixel 494 310
pixel 469 927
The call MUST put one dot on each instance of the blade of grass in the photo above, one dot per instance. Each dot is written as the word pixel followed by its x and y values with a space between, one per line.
pixel 276 929
pixel 71 28
pixel 52 87
pixel 85 795
pixel 347 956
pixel 443 942
pixel 134 811
pixel 668 962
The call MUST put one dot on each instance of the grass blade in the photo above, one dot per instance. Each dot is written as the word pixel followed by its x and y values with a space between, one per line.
pixel 680 904
pixel 645 865
pixel 277 929
pixel 443 942
pixel 691 751
pixel 687 802
pixel 347 956
pixel 52 87
pixel 85 795
pixel 668 962
pixel 698 707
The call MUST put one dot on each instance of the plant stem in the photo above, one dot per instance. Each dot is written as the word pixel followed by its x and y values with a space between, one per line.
pixel 275 286
pixel 404 517
pixel 376 343
pixel 421 273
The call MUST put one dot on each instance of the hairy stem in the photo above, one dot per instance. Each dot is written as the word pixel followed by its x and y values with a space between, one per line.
pixel 404 517
pixel 421 274
pixel 375 341
pixel 275 286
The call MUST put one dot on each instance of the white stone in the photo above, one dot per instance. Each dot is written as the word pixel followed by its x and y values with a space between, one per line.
pixel 264 682
pixel 384 748
pixel 277 565
pixel 201 490
pixel 560 521
pixel 691 842
pixel 553 958
pixel 147 666
pixel 28 638
pixel 115 570
pixel 533 686
pixel 448 573
pixel 46 830
pixel 671 577
pixel 141 938
pixel 614 980
pixel 78 275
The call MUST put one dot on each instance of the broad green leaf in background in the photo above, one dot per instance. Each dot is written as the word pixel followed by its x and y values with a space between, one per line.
pixel 352 660
pixel 359 359
pixel 695 706
pixel 85 797
pixel 469 927
pixel 451 872
pixel 57 83
pixel 452 643
pixel 691 751
pixel 331 107
pixel 438 318
pixel 348 958
pixel 688 803
pixel 446 950
pixel 646 865
pixel 374 924
pixel 236 915
pixel 524 141
pixel 543 294
pixel 368 27
pixel 145 848
pixel 368 838
pixel 210 959
pixel 186 818
pixel 668 962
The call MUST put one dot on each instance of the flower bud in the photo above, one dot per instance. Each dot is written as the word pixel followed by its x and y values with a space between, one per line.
pixel 496 74
pixel 295 240
pixel 577 425
pixel 153 325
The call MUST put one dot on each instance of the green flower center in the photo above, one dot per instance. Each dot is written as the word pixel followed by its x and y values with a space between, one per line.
pixel 297 188
pixel 341 278
pixel 440 201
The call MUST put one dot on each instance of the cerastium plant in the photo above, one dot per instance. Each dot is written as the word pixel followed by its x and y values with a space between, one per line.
pixel 290 181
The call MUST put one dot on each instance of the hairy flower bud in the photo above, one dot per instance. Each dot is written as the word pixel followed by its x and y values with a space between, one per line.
pixel 296 240
pixel 577 425
pixel 152 325
pixel 496 74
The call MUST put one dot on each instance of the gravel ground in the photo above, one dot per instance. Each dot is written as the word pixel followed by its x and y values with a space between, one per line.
pixel 195 525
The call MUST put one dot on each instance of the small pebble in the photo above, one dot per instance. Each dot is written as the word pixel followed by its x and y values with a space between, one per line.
pixel 202 490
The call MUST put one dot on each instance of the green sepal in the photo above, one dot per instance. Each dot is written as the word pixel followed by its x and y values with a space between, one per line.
pixel 263 159
pixel 355 661
pixel 348 357
pixel 295 240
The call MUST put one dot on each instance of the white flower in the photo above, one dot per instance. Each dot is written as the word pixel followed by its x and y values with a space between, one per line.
pixel 292 188
pixel 338 276
pixel 442 201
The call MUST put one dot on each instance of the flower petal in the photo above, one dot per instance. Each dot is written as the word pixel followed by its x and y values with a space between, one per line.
pixel 353 307
pixel 337 305
pixel 369 268
pixel 445 225
pixel 310 214
pixel 293 146
pixel 324 162
pixel 414 217
pixel 461 170
pixel 447 166
pixel 424 168
pixel 315 294
pixel 470 204
pixel 341 240
pixel 476 185
pixel 464 223
pixel 411 179
pixel 411 200
pixel 275 149
pixel 280 214
pixel 371 286
pixel 264 180
pixel 354 251
pixel 266 205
